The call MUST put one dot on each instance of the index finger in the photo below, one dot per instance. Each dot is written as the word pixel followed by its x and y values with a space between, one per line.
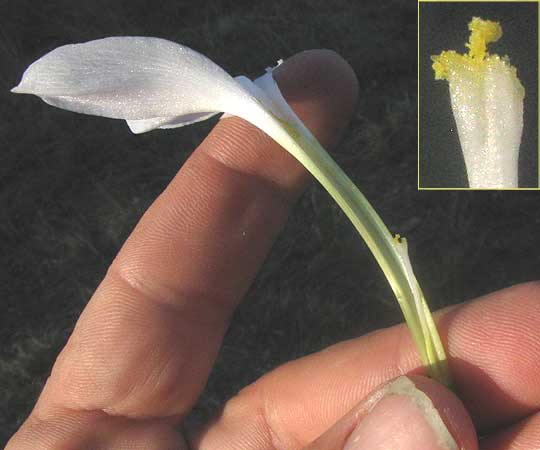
pixel 146 341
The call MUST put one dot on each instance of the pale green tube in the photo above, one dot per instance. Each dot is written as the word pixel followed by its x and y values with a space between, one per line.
pixel 386 248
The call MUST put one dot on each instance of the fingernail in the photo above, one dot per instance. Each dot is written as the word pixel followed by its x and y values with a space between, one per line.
pixel 401 418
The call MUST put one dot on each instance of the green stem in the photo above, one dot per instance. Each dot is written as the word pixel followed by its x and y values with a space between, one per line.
pixel 383 246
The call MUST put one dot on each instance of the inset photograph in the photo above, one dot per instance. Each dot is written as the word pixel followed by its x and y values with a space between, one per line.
pixel 478 95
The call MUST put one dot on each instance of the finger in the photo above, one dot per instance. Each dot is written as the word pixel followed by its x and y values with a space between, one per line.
pixel 524 435
pixel 95 430
pixel 407 413
pixel 144 345
pixel 493 346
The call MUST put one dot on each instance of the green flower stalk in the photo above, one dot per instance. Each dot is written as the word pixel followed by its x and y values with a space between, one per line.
pixel 153 83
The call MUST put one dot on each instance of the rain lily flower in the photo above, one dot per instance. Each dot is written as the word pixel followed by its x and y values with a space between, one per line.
pixel 154 83
pixel 487 102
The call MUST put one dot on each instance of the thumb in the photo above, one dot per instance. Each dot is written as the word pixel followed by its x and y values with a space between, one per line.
pixel 408 413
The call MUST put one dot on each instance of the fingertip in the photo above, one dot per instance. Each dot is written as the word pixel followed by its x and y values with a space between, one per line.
pixel 322 88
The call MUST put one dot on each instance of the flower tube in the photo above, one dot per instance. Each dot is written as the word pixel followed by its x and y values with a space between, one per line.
pixel 153 83
pixel 487 101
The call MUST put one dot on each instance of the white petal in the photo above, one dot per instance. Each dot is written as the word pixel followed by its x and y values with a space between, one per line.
pixel 142 78
pixel 264 89
pixel 132 78
pixel 144 125
pixel 256 89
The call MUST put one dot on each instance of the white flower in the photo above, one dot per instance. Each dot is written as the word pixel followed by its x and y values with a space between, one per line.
pixel 153 83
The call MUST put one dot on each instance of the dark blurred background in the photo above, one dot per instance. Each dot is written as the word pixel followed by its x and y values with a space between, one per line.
pixel 444 26
pixel 73 186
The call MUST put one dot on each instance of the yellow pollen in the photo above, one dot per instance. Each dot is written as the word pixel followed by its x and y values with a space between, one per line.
pixel 449 63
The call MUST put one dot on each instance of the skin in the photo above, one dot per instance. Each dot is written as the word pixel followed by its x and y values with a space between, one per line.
pixel 143 347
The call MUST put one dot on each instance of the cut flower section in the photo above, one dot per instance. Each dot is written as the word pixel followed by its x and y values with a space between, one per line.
pixel 153 83
pixel 487 101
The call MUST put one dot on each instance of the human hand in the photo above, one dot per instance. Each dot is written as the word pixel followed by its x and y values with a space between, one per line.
pixel 142 349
